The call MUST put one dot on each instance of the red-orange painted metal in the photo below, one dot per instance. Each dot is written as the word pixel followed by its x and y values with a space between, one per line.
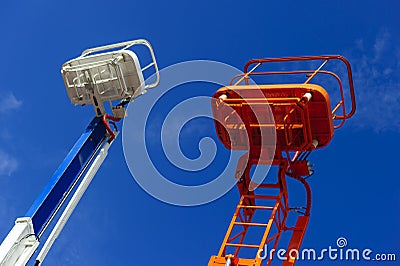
pixel 297 123
pixel 105 119
pixel 298 120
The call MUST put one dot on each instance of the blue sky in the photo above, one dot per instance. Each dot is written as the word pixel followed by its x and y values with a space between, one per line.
pixel 355 187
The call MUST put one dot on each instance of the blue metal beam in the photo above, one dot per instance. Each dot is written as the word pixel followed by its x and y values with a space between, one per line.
pixel 69 170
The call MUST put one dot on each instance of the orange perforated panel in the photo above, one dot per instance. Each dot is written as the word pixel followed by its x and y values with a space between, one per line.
pixel 243 113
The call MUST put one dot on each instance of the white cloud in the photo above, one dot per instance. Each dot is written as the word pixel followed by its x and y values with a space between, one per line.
pixel 381 44
pixel 9 102
pixel 376 71
pixel 8 164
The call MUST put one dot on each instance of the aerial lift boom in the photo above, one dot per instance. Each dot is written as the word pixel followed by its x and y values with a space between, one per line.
pixel 92 78
pixel 297 119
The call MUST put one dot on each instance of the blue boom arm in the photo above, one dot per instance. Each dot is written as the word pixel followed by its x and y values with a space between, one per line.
pixel 67 174
pixel 83 161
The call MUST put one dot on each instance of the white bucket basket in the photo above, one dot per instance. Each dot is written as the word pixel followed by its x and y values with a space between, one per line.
pixel 108 76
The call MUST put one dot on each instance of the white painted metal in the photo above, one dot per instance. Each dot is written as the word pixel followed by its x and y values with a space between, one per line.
pixel 127 45
pixel 76 197
pixel 308 96
pixel 315 143
pixel 108 76
pixel 20 243
pixel 223 97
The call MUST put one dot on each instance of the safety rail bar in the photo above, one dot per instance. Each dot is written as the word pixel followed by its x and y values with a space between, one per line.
pixel 342 103
pixel 127 45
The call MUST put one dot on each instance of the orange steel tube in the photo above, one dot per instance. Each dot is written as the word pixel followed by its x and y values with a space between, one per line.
pixel 313 58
